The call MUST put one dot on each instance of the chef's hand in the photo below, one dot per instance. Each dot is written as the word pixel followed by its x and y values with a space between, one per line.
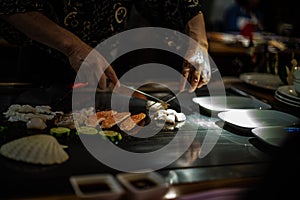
pixel 93 65
pixel 196 70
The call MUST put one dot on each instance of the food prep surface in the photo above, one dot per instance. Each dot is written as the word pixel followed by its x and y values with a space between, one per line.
pixel 212 146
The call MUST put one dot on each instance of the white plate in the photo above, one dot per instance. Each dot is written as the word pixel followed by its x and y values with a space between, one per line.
pixel 226 103
pixel 289 92
pixel 262 80
pixel 274 135
pixel 258 118
pixel 286 100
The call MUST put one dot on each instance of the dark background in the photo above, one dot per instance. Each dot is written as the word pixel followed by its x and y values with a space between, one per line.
pixel 275 12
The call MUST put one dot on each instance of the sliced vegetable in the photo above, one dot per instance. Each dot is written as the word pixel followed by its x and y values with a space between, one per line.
pixel 111 135
pixel 59 131
pixel 87 130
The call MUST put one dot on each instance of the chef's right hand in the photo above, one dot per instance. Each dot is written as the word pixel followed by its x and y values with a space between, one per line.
pixel 196 69
pixel 92 65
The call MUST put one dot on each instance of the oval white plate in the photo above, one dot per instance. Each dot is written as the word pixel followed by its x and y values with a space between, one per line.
pixel 258 118
pixel 226 103
pixel 274 135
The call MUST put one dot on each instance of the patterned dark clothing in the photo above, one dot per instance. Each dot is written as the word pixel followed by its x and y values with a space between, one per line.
pixel 95 20
pixel 92 21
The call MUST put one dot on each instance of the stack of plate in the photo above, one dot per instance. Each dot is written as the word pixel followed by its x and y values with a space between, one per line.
pixel 287 94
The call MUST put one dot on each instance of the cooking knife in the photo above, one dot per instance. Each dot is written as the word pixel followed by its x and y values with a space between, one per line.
pixel 143 93
pixel 174 97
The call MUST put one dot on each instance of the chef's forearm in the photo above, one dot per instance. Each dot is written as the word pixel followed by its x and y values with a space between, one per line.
pixel 41 29
pixel 196 30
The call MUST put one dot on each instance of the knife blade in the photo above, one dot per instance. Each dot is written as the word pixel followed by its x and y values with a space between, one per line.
pixel 143 93
pixel 174 97
pixel 166 102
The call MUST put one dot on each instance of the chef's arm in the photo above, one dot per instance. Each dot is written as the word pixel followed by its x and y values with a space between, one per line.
pixel 196 30
pixel 38 27
pixel 197 69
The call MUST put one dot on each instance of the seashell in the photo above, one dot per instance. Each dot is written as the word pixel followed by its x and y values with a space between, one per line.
pixel 37 149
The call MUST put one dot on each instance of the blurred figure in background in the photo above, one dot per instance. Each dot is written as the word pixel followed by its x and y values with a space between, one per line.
pixel 243 17
pixel 241 14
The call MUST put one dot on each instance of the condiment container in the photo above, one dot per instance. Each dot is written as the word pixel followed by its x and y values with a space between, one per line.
pixel 143 186
pixel 96 186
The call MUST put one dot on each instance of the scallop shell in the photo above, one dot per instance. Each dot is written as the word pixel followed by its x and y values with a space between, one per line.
pixel 36 149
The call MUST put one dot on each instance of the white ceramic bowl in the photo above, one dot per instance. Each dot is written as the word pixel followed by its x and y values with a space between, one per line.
pixel 143 186
pixel 96 186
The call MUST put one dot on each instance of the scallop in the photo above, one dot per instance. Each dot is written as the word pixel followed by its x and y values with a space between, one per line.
pixel 36 123
pixel 170 119
pixel 37 149
pixel 180 117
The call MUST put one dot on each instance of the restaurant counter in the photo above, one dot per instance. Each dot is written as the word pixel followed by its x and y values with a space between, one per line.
pixel 220 155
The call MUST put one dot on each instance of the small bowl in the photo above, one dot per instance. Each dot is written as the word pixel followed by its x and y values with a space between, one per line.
pixel 143 186
pixel 96 186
